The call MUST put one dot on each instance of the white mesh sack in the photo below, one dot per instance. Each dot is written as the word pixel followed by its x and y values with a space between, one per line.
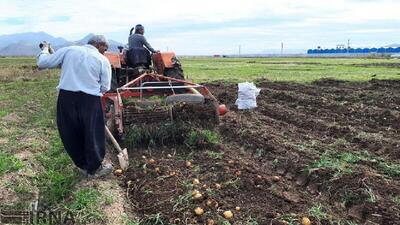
pixel 247 95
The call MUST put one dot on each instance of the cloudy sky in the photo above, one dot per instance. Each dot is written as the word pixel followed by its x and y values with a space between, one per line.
pixel 213 26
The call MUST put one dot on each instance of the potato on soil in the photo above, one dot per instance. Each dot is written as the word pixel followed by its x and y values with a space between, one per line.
pixel 305 221
pixel 275 178
pixel 228 214
pixel 197 196
pixel 199 211
pixel 195 192
pixel 196 181
pixel 210 222
pixel 172 173
pixel 118 172
pixel 212 203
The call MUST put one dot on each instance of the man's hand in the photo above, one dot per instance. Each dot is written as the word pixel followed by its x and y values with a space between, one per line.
pixel 46 47
pixel 51 50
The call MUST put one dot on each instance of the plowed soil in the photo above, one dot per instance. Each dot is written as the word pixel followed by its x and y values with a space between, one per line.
pixel 329 151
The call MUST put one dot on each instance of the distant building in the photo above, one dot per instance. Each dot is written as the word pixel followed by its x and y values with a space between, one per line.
pixel 341 50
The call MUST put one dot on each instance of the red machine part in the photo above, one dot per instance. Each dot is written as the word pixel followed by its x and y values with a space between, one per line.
pixel 125 92
pixel 162 61
pixel 114 58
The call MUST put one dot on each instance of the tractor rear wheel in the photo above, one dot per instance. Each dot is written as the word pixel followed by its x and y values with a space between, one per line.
pixel 175 72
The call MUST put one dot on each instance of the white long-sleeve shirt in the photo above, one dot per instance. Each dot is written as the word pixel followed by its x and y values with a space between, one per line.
pixel 83 68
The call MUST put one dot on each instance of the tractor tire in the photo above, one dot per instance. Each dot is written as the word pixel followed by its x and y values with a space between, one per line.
pixel 175 72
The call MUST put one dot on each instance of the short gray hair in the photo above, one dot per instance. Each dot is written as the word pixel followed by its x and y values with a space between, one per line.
pixel 100 39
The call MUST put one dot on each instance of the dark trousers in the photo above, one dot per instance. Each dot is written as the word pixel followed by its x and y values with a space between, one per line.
pixel 80 123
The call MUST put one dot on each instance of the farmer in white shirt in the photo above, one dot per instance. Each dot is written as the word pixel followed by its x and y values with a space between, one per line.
pixel 85 76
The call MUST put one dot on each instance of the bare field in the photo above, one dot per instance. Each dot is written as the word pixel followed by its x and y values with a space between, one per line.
pixel 327 151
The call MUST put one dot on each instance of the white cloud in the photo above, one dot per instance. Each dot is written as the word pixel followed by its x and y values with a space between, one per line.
pixel 294 21
pixel 373 31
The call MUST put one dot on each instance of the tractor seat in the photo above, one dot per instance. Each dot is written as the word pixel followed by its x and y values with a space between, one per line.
pixel 138 57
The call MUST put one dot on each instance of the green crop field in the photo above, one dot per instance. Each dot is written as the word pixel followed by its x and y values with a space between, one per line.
pixel 203 69
pixel 290 69
pixel 32 159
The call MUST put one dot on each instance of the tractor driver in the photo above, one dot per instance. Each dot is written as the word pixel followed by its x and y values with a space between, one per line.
pixel 137 40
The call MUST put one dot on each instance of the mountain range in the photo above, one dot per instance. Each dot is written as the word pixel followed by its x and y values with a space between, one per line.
pixel 27 44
